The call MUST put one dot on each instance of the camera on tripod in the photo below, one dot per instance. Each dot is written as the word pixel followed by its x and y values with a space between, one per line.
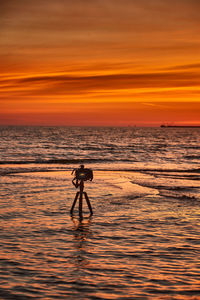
pixel 82 174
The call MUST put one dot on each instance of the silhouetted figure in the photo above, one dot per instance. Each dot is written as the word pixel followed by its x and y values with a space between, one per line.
pixel 82 174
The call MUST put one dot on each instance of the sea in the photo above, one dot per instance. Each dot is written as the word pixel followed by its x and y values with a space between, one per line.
pixel 143 240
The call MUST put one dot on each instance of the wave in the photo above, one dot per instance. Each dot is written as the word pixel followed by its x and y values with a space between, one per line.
pixel 57 161
pixel 192 157
pixel 179 196
pixel 153 171
pixel 129 167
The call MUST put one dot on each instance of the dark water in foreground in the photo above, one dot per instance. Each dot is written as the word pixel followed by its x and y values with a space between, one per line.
pixel 142 241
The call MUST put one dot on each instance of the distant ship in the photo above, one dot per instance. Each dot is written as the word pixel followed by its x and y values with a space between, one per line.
pixel 180 126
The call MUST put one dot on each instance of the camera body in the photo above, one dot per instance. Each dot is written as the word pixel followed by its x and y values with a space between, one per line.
pixel 83 174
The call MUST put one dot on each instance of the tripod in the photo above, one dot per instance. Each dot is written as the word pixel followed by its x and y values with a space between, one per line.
pixel 80 195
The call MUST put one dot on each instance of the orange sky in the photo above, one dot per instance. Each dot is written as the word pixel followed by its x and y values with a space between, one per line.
pixel 100 62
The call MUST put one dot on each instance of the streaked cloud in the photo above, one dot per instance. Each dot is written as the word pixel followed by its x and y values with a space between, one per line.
pixel 67 85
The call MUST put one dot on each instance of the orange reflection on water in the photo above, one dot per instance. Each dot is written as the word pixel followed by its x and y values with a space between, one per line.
pixel 137 244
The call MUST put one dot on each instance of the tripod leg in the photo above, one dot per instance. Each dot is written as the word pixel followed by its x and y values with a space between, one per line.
pixel 75 199
pixel 80 204
pixel 88 203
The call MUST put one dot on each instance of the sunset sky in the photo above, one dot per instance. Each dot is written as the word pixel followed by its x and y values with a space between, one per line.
pixel 99 62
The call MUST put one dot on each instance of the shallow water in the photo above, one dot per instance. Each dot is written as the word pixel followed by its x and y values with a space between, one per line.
pixel 142 241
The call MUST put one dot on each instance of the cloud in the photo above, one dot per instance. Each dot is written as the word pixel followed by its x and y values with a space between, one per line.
pixel 52 33
pixel 116 81
pixel 63 52
pixel 63 84
pixel 185 67
pixel 104 17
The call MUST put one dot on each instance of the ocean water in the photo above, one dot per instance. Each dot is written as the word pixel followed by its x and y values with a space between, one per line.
pixel 142 241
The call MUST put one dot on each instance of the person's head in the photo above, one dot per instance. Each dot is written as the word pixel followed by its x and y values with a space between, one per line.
pixel 82 166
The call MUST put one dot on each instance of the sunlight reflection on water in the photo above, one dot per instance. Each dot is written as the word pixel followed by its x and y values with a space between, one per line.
pixel 135 246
